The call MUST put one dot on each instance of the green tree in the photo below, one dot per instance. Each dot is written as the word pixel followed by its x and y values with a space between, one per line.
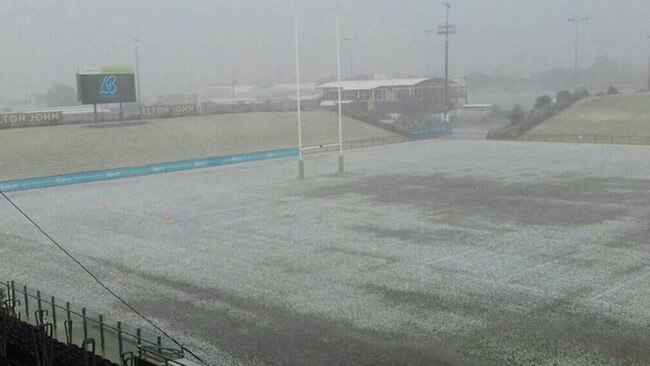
pixel 564 97
pixel 61 95
pixel 612 90
pixel 543 101
pixel 604 70
pixel 517 114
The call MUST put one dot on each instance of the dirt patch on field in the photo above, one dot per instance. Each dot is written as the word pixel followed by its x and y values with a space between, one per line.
pixel 413 236
pixel 581 202
pixel 638 238
pixel 428 301
pixel 352 252
pixel 560 333
pixel 554 329
pixel 420 236
pixel 251 331
pixel 286 338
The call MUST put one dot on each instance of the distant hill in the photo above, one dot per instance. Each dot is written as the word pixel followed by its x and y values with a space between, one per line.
pixel 611 115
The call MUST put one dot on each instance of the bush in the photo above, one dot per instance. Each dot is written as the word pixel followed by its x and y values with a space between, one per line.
pixel 543 101
pixel 544 109
pixel 612 90
pixel 564 97
pixel 517 114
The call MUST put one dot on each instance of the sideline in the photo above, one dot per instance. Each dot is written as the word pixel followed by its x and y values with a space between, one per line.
pixel 159 168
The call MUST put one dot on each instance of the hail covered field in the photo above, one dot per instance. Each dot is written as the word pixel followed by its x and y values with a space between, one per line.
pixel 437 252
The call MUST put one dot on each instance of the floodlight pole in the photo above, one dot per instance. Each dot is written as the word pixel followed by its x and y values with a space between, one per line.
pixel 301 164
pixel 446 30
pixel 230 56
pixel 338 70
pixel 349 40
pixel 648 38
pixel 577 21
pixel 137 67
pixel 447 5
pixel 428 67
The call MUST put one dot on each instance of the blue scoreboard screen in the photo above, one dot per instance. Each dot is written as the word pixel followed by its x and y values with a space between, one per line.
pixel 105 85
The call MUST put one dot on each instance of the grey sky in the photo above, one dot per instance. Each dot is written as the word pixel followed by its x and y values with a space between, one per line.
pixel 185 42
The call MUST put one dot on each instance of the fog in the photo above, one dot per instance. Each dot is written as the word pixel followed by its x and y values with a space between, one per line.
pixel 497 217
pixel 184 44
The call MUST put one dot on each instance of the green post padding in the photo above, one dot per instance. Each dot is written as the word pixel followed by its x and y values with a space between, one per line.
pixel 301 169
pixel 341 164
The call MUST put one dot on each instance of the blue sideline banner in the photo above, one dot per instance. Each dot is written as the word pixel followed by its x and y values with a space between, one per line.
pixel 108 174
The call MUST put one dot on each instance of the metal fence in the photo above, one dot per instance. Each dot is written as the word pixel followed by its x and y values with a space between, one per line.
pixel 356 144
pixel 79 326
pixel 588 139
pixel 428 132
pixel 467 135
pixel 567 138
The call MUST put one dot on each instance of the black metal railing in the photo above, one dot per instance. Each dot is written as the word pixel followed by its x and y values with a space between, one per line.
pixel 586 138
pixel 356 144
pixel 75 325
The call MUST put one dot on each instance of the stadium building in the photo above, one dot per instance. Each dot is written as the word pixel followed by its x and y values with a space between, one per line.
pixel 426 95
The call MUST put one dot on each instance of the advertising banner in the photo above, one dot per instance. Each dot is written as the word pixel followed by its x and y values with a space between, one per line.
pixel 30 119
pixel 163 111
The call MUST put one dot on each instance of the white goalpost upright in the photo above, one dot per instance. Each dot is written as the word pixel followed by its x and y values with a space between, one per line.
pixel 301 163
pixel 301 148
pixel 338 70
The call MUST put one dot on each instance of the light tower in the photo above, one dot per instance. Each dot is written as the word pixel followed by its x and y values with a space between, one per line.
pixel 648 38
pixel 349 40
pixel 136 43
pixel 446 30
pixel 428 67
pixel 577 22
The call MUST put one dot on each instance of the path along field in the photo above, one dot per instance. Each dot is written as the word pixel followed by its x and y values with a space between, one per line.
pixel 429 253
pixel 612 115
pixel 33 152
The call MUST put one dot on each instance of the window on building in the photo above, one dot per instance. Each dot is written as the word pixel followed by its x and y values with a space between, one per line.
pixel 404 93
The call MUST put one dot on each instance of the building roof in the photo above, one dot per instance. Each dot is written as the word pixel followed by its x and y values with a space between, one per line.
pixel 233 101
pixel 373 84
pixel 334 103
pixel 478 106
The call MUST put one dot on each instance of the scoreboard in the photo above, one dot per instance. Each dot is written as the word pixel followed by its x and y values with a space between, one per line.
pixel 106 84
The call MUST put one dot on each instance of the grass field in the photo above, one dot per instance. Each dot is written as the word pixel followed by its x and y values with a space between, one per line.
pixel 616 115
pixel 31 152
pixel 429 253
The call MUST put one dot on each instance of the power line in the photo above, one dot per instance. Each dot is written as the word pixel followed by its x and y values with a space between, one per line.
pixel 94 277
